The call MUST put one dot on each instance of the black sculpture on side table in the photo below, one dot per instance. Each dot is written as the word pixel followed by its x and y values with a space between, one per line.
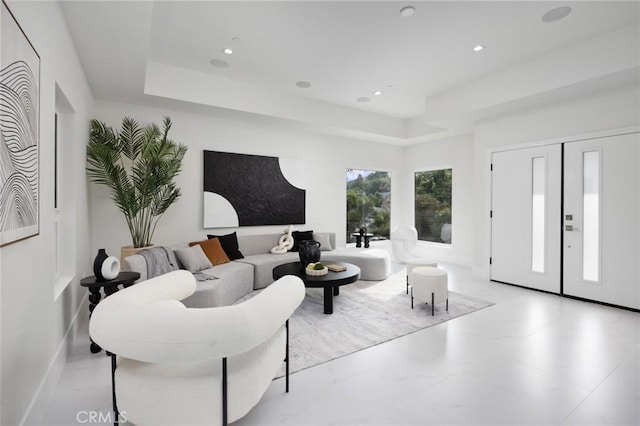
pixel 362 235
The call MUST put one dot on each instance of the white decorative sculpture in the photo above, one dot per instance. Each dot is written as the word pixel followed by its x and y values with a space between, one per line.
pixel 403 242
pixel 110 268
pixel 445 233
pixel 285 243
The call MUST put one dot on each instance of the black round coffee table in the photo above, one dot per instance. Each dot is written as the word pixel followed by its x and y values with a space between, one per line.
pixel 330 282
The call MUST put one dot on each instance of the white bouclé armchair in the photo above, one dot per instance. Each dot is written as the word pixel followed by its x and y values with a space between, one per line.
pixel 187 366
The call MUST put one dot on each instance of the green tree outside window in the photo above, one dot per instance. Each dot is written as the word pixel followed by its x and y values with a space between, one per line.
pixel 433 205
pixel 368 202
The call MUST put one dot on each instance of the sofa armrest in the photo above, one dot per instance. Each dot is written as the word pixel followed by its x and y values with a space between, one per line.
pixel 135 263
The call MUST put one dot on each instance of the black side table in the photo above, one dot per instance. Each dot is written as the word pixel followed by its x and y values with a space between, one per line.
pixel 125 279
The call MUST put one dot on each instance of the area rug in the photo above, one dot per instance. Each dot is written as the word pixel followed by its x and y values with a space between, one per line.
pixel 366 313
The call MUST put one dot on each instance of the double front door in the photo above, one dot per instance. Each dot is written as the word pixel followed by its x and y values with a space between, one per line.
pixel 566 218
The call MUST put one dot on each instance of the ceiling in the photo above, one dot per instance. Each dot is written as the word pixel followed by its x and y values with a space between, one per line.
pixel 433 83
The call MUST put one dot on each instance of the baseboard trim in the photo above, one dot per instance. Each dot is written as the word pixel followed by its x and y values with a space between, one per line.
pixel 37 409
pixel 568 296
pixel 597 302
pixel 527 288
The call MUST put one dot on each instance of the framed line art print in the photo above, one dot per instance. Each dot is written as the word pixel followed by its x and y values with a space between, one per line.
pixel 19 132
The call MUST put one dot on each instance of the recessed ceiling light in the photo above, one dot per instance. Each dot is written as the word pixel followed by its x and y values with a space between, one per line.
pixel 407 11
pixel 478 48
pixel 235 38
pixel 556 14
pixel 303 84
pixel 220 63
pixel 377 93
pixel 363 99
pixel 227 51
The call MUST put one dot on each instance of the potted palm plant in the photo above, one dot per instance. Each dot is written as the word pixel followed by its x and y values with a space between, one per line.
pixel 138 164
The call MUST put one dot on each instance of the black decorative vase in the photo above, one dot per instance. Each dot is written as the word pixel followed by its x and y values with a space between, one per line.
pixel 309 252
pixel 97 264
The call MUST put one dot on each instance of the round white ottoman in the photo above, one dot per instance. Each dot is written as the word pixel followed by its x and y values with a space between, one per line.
pixel 429 285
pixel 417 262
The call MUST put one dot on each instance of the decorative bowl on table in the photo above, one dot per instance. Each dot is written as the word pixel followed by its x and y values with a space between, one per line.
pixel 316 269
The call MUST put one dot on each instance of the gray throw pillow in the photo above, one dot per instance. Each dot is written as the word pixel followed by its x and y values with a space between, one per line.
pixel 193 258
pixel 324 240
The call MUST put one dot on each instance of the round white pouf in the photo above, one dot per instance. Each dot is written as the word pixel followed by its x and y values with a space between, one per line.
pixel 417 262
pixel 429 285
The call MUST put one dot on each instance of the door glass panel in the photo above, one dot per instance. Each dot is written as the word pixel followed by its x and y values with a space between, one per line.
pixel 591 216
pixel 538 194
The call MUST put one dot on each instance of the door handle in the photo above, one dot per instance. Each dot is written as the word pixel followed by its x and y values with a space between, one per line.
pixel 571 228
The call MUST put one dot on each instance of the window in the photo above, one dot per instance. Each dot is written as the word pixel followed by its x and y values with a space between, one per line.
pixel 64 201
pixel 368 203
pixel 433 205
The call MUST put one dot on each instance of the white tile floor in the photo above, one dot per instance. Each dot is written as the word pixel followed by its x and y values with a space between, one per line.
pixel 531 359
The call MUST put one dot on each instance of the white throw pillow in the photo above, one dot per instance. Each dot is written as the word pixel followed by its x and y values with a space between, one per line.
pixel 324 240
pixel 193 258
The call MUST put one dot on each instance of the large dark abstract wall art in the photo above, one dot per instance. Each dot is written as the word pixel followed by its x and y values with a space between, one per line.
pixel 19 132
pixel 251 190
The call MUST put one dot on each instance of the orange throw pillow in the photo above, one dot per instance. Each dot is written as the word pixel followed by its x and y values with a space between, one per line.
pixel 213 249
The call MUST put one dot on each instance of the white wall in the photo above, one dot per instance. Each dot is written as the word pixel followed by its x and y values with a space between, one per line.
pixel 600 111
pixel 455 153
pixel 34 322
pixel 326 157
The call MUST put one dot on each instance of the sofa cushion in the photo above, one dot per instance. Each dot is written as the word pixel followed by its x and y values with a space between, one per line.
pixel 233 281
pixel 257 244
pixel 193 258
pixel 229 244
pixel 263 265
pixel 213 250
pixel 374 264
pixel 299 236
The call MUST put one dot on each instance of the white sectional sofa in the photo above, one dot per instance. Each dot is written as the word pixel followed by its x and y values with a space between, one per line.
pixel 235 279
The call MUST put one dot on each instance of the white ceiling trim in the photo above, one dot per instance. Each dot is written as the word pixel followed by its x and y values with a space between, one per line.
pixel 607 55
pixel 191 86
pixel 159 52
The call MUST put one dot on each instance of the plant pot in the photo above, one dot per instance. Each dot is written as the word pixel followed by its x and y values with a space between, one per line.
pixel 130 251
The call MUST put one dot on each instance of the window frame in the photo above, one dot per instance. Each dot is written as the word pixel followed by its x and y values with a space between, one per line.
pixel 369 169
pixel 65 122
pixel 413 211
